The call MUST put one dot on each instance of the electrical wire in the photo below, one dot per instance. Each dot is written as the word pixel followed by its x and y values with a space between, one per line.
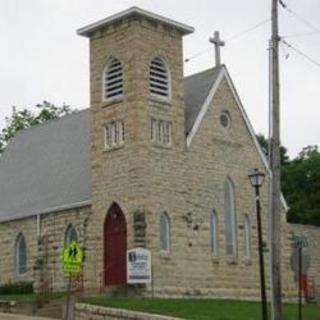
pixel 232 38
pixel 300 35
pixel 297 16
pixel 200 53
pixel 290 46
pixel 256 26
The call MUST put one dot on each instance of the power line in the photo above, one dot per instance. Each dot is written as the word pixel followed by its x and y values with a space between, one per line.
pixel 256 26
pixel 300 34
pixel 200 53
pixel 297 16
pixel 234 37
pixel 290 46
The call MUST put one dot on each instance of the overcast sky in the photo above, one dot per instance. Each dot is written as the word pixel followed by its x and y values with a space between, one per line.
pixel 42 58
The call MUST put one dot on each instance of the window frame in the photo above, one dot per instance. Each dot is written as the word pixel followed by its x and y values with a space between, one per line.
pixel 164 217
pixel 105 74
pixel 214 233
pixel 21 269
pixel 114 134
pixel 230 215
pixel 161 132
pixel 151 78
pixel 247 238
pixel 68 234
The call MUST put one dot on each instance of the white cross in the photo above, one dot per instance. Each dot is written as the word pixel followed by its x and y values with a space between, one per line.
pixel 217 44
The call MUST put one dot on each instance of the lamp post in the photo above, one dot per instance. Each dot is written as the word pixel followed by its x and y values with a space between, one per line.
pixel 256 179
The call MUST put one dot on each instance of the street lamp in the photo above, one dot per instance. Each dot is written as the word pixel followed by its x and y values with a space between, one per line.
pixel 257 179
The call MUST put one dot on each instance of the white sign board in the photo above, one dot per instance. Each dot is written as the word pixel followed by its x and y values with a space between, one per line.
pixel 139 266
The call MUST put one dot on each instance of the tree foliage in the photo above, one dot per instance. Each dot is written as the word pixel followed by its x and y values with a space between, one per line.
pixel 301 186
pixel 300 182
pixel 23 119
pixel 264 143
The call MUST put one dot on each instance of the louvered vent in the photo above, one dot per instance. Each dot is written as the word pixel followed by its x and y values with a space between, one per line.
pixel 159 78
pixel 113 79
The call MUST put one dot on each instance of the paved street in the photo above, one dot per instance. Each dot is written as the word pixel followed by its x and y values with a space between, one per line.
pixel 8 316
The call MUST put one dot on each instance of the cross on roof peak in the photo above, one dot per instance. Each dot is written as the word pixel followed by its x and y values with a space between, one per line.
pixel 217 44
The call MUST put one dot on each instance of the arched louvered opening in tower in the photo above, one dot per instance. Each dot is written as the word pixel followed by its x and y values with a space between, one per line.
pixel 113 79
pixel 159 78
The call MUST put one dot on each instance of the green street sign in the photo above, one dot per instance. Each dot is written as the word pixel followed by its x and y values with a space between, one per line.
pixel 72 258
pixel 300 241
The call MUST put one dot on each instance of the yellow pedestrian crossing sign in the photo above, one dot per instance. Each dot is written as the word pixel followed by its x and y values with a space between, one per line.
pixel 72 258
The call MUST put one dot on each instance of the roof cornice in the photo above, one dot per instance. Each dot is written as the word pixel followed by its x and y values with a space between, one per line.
pixel 89 29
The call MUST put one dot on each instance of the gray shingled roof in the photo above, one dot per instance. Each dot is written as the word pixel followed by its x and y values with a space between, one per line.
pixel 196 89
pixel 46 168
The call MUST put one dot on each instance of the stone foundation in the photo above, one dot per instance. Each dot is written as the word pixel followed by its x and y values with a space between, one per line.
pixel 86 311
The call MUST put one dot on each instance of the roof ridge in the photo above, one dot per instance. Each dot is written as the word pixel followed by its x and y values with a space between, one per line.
pixel 73 113
pixel 204 71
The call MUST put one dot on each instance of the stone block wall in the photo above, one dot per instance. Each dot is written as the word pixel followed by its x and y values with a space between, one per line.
pixel 44 241
pixel 85 312
pixel 192 181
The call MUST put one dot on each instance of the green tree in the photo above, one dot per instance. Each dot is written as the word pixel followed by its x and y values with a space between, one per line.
pixel 300 182
pixel 264 143
pixel 23 119
pixel 301 186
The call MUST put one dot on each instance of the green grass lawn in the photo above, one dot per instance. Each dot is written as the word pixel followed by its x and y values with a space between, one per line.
pixel 202 309
pixel 32 297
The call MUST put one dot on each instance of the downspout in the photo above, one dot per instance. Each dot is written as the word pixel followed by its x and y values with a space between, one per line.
pixel 38 226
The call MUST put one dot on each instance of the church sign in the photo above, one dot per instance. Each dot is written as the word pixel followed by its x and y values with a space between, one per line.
pixel 72 258
pixel 139 266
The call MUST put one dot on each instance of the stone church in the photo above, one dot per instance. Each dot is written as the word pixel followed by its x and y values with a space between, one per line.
pixel 159 160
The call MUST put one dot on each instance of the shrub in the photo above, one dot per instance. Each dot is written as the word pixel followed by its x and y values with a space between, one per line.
pixel 21 287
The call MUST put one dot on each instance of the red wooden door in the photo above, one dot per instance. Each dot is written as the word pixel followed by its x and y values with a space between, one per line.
pixel 115 247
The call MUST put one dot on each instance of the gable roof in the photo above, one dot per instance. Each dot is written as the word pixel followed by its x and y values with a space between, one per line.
pixel 45 168
pixel 197 88
pixel 222 73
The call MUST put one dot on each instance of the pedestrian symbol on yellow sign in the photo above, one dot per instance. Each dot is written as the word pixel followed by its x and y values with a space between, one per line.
pixel 72 258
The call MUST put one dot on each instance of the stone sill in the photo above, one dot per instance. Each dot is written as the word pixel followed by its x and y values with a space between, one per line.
pixel 165 255
pixel 247 261
pixel 114 148
pixel 215 259
pixel 111 101
pixel 162 146
pixel 160 102
pixel 231 260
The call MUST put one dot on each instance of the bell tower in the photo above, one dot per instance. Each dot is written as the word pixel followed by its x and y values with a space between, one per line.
pixel 136 105
pixel 136 91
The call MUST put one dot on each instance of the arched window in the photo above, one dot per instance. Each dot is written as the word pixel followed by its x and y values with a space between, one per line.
pixel 159 80
pixel 213 232
pixel 112 79
pixel 71 234
pixel 247 238
pixel 230 218
pixel 165 233
pixel 21 255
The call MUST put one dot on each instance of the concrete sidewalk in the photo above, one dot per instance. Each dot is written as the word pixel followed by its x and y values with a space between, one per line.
pixel 11 316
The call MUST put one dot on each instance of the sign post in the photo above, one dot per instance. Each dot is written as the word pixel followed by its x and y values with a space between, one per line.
pixel 300 242
pixel 72 264
pixel 139 267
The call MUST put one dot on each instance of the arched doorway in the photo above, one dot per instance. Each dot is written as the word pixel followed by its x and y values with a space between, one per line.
pixel 115 247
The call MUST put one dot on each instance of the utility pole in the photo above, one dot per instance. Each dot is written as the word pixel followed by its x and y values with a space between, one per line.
pixel 275 222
